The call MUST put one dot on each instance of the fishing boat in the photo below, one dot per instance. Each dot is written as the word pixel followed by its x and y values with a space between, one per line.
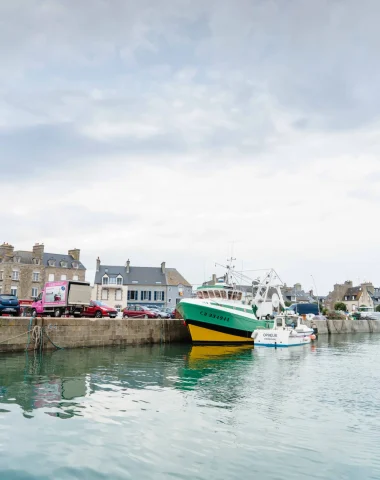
pixel 287 331
pixel 220 315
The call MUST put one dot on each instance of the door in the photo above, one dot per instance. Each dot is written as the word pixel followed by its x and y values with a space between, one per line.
pixel 38 305
pixel 90 310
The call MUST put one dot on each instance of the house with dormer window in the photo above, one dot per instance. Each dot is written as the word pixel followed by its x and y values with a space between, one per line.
pixel 119 286
pixel 23 273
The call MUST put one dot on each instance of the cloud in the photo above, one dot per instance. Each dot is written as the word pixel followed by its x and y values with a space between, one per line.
pixel 164 130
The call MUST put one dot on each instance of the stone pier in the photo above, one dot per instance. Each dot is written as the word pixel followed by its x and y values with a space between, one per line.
pixel 86 332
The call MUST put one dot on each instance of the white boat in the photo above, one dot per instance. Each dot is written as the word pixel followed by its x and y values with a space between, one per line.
pixel 287 331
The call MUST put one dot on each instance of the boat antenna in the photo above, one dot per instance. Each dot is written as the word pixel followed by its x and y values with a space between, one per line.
pixel 316 291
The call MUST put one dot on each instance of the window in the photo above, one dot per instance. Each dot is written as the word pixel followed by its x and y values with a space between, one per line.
pixel 36 277
pixel 36 261
pixel 146 295
pixel 170 300
pixel 353 298
pixel 51 263
pixel 105 280
pixel 135 281
pixel 75 278
pixel 133 295
pixel 1 275
pixel 118 294
pixel 75 265
pixel 104 293
pixel 160 296
pixel 1 290
pixel 63 277
pixel 17 259
pixel 119 281
pixel 14 291
pixel 63 264
pixel 15 275
pixel 118 308
pixel 51 277
pixel 113 281
pixel 34 292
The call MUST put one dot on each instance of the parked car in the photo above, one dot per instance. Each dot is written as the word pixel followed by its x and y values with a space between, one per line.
pixel 170 311
pixel 161 313
pixel 138 311
pixel 9 305
pixel 99 309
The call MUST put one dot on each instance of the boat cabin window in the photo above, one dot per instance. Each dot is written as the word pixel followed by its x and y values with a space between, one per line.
pixel 229 294
pixel 217 294
pixel 211 294
pixel 205 294
pixel 239 295
pixel 223 294
pixel 279 322
pixel 199 294
pixel 289 321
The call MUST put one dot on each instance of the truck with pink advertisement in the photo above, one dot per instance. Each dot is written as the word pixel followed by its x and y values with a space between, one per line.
pixel 62 298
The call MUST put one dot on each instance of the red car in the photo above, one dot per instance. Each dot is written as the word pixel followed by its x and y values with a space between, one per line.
pixel 137 311
pixel 99 309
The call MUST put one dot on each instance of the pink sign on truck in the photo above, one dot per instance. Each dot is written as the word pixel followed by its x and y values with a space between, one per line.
pixel 55 293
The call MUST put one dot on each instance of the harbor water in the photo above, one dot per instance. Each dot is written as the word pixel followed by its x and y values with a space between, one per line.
pixel 182 412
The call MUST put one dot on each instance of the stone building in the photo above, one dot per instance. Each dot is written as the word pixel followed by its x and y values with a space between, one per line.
pixel 24 273
pixel 118 286
pixel 353 297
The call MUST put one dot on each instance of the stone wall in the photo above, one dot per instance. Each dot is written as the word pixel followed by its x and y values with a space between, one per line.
pixel 345 326
pixel 86 332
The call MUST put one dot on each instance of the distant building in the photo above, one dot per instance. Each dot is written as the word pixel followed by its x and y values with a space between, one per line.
pixel 295 294
pixel 121 285
pixel 24 273
pixel 353 297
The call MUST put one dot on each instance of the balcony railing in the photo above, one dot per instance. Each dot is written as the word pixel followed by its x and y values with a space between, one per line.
pixel 111 285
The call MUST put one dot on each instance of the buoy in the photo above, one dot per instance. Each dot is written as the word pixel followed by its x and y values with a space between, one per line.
pixel 313 337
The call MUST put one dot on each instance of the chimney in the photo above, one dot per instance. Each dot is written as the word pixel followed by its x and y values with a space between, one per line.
pixel 163 267
pixel 98 264
pixel 214 279
pixel 6 250
pixel 127 265
pixel 38 250
pixel 75 253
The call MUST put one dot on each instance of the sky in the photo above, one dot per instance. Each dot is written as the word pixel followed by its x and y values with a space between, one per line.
pixel 189 131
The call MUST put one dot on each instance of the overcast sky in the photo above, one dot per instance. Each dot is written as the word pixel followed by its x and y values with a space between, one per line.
pixel 165 130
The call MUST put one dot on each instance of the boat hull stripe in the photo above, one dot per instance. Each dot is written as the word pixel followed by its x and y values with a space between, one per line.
pixel 222 329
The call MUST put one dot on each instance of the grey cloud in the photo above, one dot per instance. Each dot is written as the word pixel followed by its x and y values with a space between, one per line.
pixel 317 60
pixel 61 219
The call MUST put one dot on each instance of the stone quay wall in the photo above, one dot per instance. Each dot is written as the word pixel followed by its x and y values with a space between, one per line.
pixel 86 332
pixel 331 327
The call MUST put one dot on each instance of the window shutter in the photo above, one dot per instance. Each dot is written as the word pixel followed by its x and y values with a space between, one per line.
pixel 150 295
pixel 163 296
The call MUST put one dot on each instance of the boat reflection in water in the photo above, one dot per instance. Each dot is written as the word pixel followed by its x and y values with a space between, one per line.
pixel 216 373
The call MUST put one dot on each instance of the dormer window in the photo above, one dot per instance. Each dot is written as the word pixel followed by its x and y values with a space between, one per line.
pixel 105 280
pixel 36 261
pixel 75 265
pixel 51 263
pixel 63 264
pixel 16 259
pixel 119 281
